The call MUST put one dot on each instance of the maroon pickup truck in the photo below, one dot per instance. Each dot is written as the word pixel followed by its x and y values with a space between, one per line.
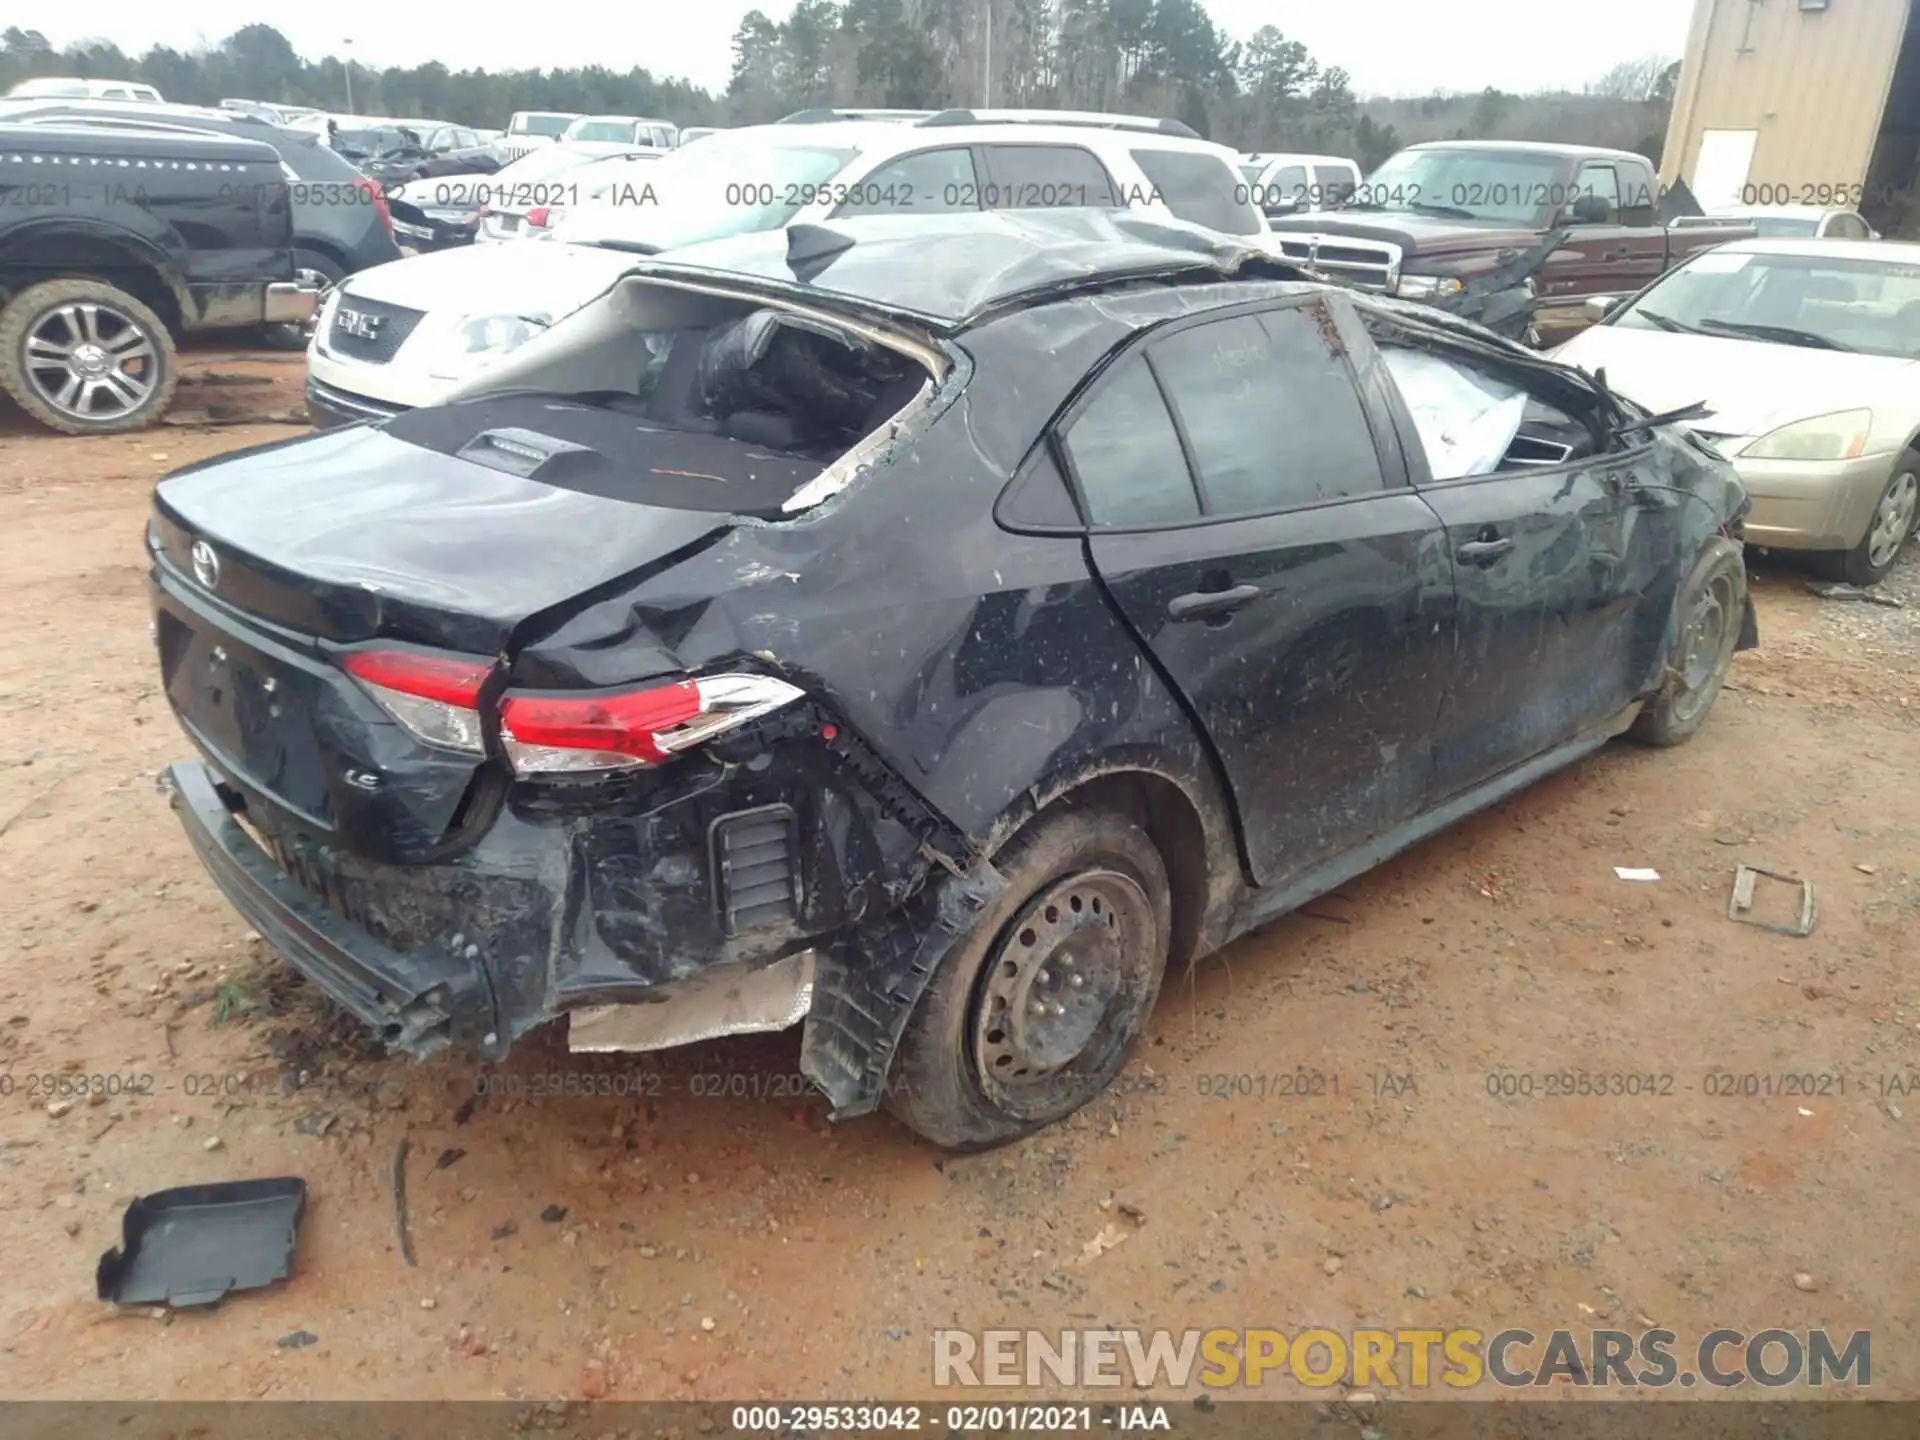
pixel 1438 214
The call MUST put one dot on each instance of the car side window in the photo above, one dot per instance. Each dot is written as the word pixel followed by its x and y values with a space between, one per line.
pixel 1126 453
pixel 1639 193
pixel 1602 182
pixel 1846 227
pixel 927 182
pixel 1335 184
pixel 1287 187
pixel 1269 409
pixel 1045 177
pixel 1199 188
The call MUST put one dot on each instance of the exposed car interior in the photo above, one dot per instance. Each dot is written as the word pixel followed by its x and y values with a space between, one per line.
pixel 1472 423
pixel 667 386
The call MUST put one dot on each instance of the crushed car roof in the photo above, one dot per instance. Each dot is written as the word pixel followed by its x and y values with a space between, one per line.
pixel 951 270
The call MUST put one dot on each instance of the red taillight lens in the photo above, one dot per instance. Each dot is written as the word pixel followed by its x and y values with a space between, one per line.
pixel 560 734
pixel 379 199
pixel 538 217
pixel 434 696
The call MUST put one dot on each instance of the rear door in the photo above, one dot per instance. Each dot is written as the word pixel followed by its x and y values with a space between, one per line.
pixel 1564 577
pixel 1253 525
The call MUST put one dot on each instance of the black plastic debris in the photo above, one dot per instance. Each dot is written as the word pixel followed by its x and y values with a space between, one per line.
pixel 195 1244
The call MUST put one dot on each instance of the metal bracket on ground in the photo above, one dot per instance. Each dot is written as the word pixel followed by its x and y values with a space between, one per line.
pixel 1740 905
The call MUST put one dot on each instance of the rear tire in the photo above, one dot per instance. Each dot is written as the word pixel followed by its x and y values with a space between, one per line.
pixel 1712 605
pixel 1033 1012
pixel 1892 525
pixel 102 331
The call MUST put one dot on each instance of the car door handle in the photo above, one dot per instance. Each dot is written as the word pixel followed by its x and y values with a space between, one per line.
pixel 1483 552
pixel 1202 603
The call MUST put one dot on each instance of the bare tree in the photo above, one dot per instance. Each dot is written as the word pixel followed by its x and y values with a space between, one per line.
pixel 1632 79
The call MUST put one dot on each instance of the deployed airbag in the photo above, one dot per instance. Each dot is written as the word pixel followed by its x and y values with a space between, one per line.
pixel 1467 422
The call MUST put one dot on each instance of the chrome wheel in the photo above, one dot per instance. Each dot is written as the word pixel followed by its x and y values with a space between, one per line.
pixel 90 361
pixel 1046 1001
pixel 1893 520
pixel 1706 646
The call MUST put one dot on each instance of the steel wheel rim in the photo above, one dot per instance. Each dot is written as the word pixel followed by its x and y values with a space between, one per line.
pixel 77 354
pixel 1893 520
pixel 1054 983
pixel 323 286
pixel 1705 645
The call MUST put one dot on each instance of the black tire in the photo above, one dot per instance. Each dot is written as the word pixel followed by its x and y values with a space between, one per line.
pixel 295 337
pixel 1879 549
pixel 1711 608
pixel 975 1069
pixel 33 381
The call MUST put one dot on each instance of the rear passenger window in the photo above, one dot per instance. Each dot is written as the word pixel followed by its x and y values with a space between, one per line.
pixel 929 182
pixel 1127 454
pixel 1199 188
pixel 1270 410
pixel 1045 177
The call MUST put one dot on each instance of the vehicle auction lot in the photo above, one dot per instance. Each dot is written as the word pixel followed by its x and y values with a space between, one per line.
pixel 692 1228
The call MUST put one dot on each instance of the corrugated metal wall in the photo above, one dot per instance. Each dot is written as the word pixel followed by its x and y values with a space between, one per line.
pixel 1812 83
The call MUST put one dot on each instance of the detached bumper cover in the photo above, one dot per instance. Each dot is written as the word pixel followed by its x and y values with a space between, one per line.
pixel 419 1002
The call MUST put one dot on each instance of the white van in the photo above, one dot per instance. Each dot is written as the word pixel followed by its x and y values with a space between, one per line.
pixel 51 87
pixel 1298 184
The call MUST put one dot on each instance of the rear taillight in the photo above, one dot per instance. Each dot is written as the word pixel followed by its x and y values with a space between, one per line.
pixel 538 217
pixel 436 698
pixel 568 734
pixel 379 199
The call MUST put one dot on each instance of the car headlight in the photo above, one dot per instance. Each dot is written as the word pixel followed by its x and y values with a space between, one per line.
pixel 1428 287
pixel 1839 436
pixel 475 341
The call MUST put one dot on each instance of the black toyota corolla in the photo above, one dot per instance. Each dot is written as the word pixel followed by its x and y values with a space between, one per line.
pixel 928 630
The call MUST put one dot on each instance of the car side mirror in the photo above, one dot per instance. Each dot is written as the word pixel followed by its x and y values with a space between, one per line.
pixel 1590 210
pixel 1598 307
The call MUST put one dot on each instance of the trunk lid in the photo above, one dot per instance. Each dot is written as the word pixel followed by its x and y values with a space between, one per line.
pixel 450 526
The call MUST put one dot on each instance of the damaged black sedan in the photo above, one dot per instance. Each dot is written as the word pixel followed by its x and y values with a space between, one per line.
pixel 927 630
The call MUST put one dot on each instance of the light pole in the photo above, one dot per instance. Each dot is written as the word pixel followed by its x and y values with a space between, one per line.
pixel 349 68
pixel 986 100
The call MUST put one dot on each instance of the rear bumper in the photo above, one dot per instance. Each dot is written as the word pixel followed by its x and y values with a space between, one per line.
pixel 418 1002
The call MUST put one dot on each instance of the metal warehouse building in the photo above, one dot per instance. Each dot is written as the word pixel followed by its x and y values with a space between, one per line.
pixel 1778 98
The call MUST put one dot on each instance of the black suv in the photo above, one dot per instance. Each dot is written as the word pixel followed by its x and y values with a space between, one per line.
pixel 114 241
pixel 341 220
pixel 932 629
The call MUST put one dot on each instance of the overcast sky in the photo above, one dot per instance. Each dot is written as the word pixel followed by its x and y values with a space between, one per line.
pixel 1389 47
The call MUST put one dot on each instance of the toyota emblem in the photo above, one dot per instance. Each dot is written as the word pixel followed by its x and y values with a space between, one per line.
pixel 206 564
